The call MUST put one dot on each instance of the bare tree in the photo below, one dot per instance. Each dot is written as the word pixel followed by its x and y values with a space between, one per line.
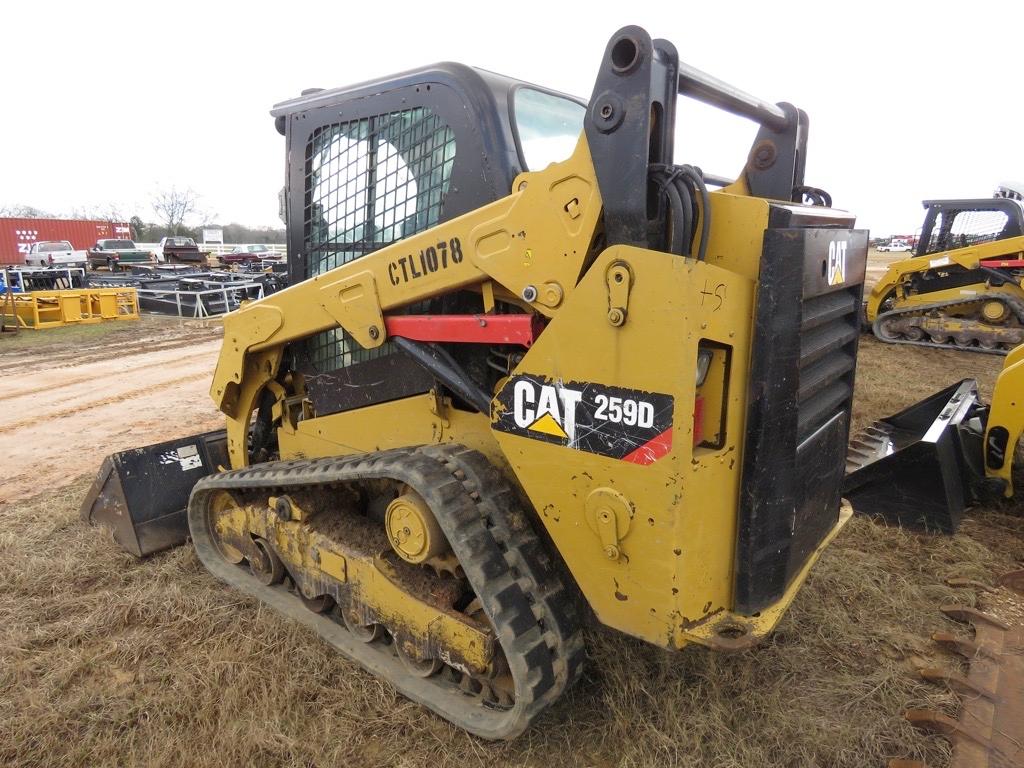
pixel 25 212
pixel 108 212
pixel 172 206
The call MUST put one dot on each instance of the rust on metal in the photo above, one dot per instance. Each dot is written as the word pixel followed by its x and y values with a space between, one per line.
pixel 944 724
pixel 956 682
pixel 989 732
pixel 966 648
pixel 962 582
pixel 968 615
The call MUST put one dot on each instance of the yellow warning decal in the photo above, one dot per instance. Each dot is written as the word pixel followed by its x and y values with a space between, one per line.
pixel 548 426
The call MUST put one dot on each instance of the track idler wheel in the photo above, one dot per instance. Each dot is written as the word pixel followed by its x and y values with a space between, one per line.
pixel 417 667
pixel 226 519
pixel 265 565
pixel 366 633
pixel 318 604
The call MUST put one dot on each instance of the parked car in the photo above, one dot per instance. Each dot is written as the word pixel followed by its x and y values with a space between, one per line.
pixel 115 254
pixel 895 247
pixel 179 250
pixel 54 253
pixel 249 254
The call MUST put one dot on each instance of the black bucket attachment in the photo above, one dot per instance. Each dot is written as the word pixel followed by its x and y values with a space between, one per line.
pixel 142 493
pixel 922 467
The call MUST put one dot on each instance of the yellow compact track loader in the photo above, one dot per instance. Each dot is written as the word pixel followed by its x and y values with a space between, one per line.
pixel 528 365
pixel 964 286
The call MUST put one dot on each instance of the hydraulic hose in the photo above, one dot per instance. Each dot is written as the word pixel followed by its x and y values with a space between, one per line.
pixel 681 185
pixel 705 208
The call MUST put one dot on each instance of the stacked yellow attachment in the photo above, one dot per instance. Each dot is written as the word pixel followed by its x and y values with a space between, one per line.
pixel 52 309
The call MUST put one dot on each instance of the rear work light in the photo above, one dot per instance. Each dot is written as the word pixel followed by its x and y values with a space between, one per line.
pixel 703 363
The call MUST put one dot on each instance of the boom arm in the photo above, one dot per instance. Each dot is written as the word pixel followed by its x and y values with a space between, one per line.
pixel 533 243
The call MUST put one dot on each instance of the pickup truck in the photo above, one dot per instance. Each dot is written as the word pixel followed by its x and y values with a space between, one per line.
pixel 54 253
pixel 895 246
pixel 115 254
pixel 179 250
pixel 249 254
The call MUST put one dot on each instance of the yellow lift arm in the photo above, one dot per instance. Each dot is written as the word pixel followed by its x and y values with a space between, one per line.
pixel 532 244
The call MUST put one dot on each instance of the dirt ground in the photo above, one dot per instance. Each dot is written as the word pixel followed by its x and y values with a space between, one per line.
pixel 106 660
pixel 70 396
pixel 878 263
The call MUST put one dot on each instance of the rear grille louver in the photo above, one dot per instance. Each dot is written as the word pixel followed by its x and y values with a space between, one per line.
pixel 830 324
pixel 799 400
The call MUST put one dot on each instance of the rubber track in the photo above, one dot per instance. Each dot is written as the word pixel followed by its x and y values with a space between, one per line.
pixel 534 615
pixel 1015 304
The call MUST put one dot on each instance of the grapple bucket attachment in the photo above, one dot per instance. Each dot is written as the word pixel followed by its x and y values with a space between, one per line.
pixel 921 467
pixel 142 493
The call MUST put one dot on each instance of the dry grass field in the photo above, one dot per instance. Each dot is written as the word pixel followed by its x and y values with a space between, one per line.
pixel 106 660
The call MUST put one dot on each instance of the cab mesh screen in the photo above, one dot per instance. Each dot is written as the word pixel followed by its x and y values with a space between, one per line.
pixel 960 229
pixel 368 184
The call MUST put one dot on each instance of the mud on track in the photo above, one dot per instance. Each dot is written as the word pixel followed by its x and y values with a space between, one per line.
pixel 71 396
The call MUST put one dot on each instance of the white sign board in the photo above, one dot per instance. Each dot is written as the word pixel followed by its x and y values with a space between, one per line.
pixel 213 236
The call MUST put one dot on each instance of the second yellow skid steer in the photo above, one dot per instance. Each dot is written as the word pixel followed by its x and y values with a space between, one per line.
pixel 527 362
pixel 964 286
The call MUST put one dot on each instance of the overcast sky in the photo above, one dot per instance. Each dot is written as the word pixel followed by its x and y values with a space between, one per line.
pixel 104 102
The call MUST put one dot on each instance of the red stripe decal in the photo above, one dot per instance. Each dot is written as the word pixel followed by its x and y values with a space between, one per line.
pixel 652 450
pixel 520 329
pixel 1003 263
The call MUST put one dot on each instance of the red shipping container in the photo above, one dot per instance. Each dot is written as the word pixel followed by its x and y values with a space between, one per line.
pixel 17 235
